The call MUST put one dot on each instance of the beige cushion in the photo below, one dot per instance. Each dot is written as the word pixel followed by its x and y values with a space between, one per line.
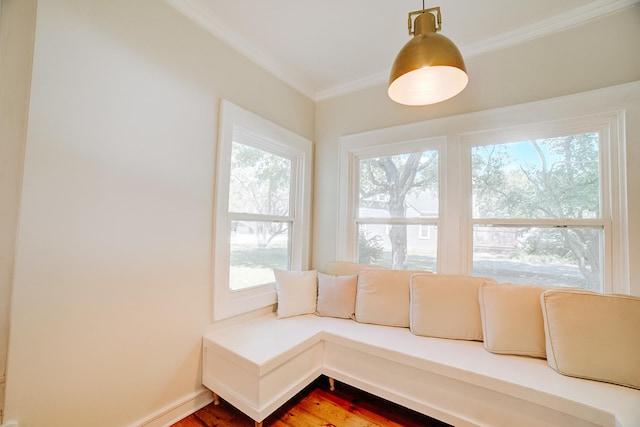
pixel 446 306
pixel 593 336
pixel 512 319
pixel 383 297
pixel 297 292
pixel 337 295
pixel 346 268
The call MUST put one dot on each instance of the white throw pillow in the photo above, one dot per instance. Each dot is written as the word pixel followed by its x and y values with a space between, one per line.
pixel 446 306
pixel 593 336
pixel 346 268
pixel 297 292
pixel 512 319
pixel 382 297
pixel 337 295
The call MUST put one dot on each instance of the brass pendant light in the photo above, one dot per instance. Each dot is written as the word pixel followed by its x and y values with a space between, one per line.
pixel 429 68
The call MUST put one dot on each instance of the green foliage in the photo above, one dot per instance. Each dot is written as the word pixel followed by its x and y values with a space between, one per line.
pixel 370 248
pixel 260 181
pixel 385 183
pixel 392 178
pixel 558 179
pixel 259 184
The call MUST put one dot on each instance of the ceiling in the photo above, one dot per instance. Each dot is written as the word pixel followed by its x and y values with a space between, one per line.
pixel 330 47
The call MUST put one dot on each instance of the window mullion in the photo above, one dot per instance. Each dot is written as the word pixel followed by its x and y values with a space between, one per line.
pixel 542 222
pixel 408 221
pixel 236 216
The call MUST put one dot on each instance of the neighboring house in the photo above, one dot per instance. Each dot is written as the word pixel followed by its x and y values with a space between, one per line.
pixel 424 206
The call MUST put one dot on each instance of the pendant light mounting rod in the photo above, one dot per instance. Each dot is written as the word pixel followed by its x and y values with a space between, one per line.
pixel 419 12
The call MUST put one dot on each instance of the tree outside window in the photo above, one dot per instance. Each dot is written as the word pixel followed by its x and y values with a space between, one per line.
pixel 397 195
pixel 537 211
pixel 523 194
pixel 259 195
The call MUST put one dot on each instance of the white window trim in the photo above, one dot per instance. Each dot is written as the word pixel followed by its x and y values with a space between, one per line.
pixel 609 104
pixel 606 126
pixel 352 150
pixel 275 139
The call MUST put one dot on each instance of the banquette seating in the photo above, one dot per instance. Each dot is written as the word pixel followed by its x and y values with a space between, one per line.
pixel 462 349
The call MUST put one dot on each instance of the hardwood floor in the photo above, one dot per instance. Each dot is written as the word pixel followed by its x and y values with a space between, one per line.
pixel 317 406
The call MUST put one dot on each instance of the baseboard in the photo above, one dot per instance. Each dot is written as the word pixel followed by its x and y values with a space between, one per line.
pixel 177 410
pixel 2 386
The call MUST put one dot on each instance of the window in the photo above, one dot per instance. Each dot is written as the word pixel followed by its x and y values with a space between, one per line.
pixel 260 193
pixel 516 194
pixel 424 232
pixel 537 215
pixel 396 210
pixel 262 210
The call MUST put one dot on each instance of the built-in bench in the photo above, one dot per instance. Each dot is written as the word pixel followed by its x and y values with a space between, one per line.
pixel 400 347
pixel 260 364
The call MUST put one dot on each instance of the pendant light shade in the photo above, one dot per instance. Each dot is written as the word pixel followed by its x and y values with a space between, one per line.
pixel 429 68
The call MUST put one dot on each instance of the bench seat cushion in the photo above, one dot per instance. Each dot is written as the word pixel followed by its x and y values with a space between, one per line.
pixel 446 306
pixel 512 319
pixel 382 297
pixel 346 268
pixel 593 336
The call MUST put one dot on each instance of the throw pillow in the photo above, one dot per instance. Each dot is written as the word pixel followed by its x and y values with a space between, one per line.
pixel 382 296
pixel 512 319
pixel 297 292
pixel 337 295
pixel 593 336
pixel 346 268
pixel 446 306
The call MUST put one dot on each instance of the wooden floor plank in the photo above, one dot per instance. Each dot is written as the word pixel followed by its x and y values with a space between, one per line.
pixel 347 413
pixel 299 416
pixel 327 411
pixel 392 412
pixel 316 406
pixel 191 422
pixel 222 415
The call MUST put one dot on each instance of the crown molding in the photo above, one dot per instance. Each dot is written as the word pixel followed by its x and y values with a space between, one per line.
pixel 213 25
pixel 352 86
pixel 555 24
pixel 558 23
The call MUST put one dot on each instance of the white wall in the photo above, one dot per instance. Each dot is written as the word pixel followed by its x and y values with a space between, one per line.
pixel 112 281
pixel 17 22
pixel 112 287
pixel 601 53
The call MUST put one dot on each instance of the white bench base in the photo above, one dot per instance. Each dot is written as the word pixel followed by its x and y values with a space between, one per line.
pixel 259 365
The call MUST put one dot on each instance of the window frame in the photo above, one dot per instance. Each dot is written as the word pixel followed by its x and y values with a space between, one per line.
pixel 604 125
pixel 603 109
pixel 265 135
pixel 354 151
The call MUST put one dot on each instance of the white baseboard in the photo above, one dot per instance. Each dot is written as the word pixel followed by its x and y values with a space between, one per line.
pixel 177 410
pixel 2 386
